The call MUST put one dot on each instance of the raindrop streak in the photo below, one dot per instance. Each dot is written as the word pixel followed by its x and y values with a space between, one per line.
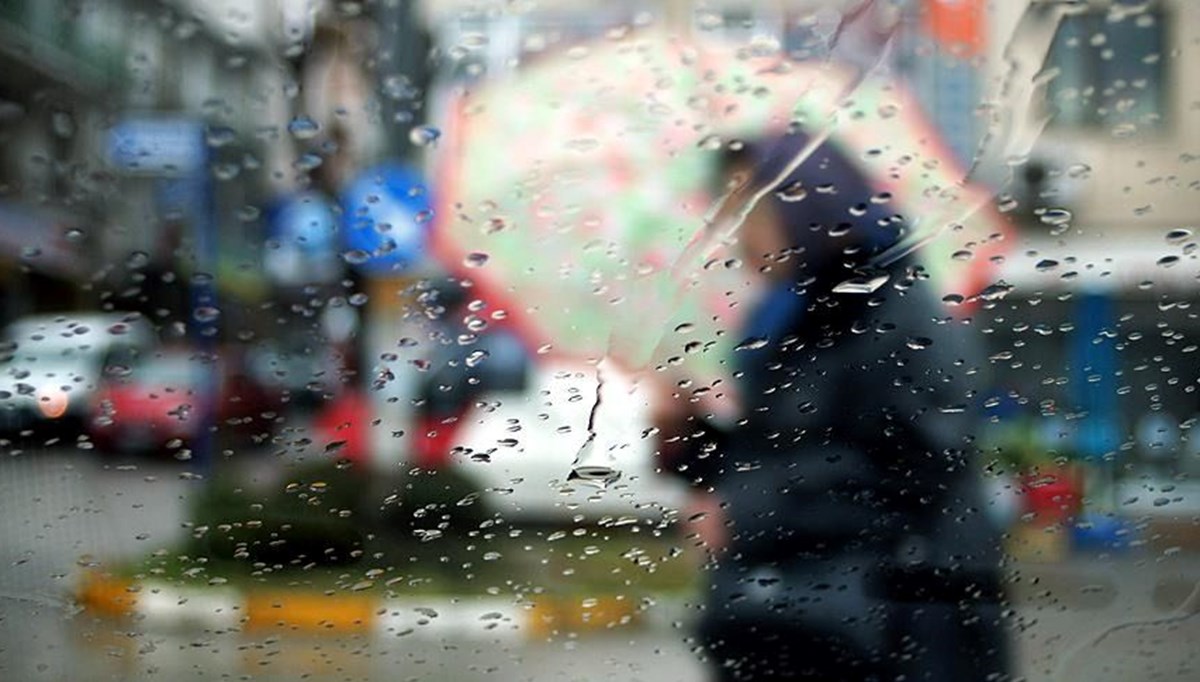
pixel 1023 88
pixel 1189 609
pixel 591 466
pixel 730 211
pixel 752 343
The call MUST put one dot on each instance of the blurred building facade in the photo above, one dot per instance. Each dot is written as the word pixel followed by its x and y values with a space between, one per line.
pixel 1122 102
pixel 101 102
pixel 1124 128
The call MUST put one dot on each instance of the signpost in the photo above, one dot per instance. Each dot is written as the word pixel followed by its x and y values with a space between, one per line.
pixel 386 215
pixel 172 150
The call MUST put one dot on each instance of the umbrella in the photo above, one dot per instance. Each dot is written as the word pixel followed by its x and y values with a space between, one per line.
pixel 572 191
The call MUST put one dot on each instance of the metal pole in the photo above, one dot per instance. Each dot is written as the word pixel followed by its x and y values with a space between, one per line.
pixel 205 312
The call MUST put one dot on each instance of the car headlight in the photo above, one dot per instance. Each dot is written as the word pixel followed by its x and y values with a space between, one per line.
pixel 52 402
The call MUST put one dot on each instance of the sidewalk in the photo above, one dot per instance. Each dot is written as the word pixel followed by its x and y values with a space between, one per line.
pixel 1126 586
pixel 1130 617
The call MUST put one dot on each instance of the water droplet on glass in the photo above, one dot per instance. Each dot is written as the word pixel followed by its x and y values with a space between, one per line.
pixel 475 259
pixel 474 41
pixel 1167 261
pixel 1124 130
pixel 475 357
pixel 206 313
pixel 952 299
pixel 424 136
pixel 752 343
pixel 995 292
pixel 710 143
pixel 793 193
pixel 1179 235
pixel 137 259
pixel 303 128
pixel 918 342
pixel 1046 265
pixel 709 20
pixel 358 299
pixel 596 475
pixel 308 161
pixel 866 283
pixel 226 171
pixel 1078 170
pixel 356 256
pixel 1056 216
pixel 219 136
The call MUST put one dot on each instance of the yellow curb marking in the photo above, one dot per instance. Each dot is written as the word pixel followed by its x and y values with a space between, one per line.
pixel 550 616
pixel 108 595
pixel 299 611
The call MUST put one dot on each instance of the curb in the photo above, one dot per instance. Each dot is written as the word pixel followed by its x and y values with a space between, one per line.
pixel 160 605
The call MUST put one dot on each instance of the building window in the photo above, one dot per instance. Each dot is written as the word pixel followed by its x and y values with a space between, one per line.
pixel 1111 67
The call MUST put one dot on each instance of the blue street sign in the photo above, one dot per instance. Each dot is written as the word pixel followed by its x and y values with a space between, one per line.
pixel 159 146
pixel 302 240
pixel 385 219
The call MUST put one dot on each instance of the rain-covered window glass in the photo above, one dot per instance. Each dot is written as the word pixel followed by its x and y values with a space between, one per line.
pixel 684 341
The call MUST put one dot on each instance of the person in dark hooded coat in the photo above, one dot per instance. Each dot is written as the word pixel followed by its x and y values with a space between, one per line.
pixel 842 509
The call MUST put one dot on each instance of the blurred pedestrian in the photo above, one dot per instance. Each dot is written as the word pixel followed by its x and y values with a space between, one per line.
pixel 841 511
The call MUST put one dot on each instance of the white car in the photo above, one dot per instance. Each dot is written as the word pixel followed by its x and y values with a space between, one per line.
pixel 50 365
pixel 520 446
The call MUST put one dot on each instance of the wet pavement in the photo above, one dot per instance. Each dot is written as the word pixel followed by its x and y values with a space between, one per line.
pixel 1092 618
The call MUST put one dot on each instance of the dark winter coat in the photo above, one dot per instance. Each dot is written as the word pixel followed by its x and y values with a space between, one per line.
pixel 859 543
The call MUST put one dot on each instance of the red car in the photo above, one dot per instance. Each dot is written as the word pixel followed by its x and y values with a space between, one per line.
pixel 157 401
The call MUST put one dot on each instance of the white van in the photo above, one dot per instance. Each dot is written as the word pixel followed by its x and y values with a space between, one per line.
pixel 520 445
pixel 513 422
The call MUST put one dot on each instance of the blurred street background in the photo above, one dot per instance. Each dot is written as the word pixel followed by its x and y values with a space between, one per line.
pixel 284 309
